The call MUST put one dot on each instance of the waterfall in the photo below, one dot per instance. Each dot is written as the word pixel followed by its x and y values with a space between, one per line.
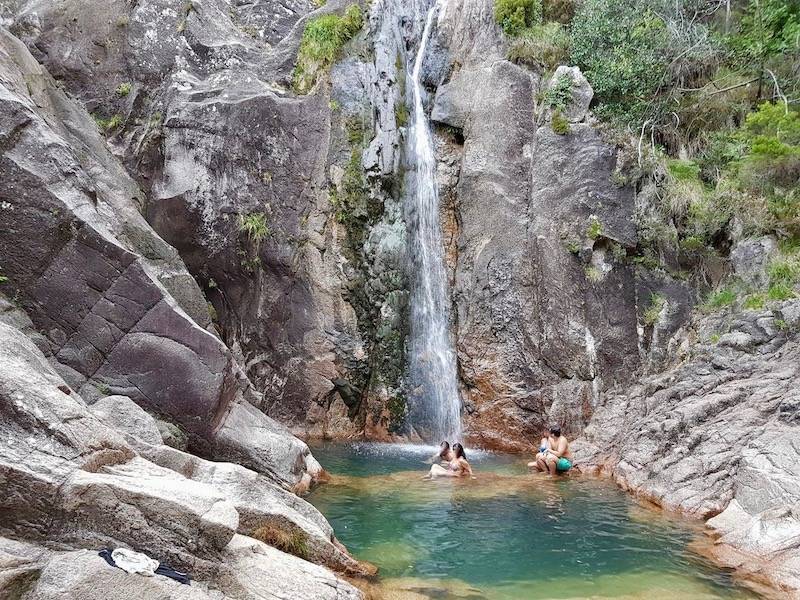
pixel 435 404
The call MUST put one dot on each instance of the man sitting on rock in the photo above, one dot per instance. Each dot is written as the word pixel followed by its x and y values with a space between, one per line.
pixel 557 455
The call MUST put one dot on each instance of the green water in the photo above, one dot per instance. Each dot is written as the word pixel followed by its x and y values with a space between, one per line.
pixel 507 534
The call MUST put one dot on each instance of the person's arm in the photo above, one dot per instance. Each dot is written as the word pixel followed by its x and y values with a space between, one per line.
pixel 465 467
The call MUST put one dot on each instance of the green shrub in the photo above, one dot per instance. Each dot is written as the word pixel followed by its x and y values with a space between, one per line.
pixel 559 95
pixel 108 124
pixel 595 229
pixel 255 227
pixel 721 298
pixel 622 48
pixel 123 89
pixel 755 301
pixel 514 16
pixel 653 311
pixel 543 46
pixel 323 39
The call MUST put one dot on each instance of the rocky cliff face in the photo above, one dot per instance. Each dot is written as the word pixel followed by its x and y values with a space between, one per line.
pixel 197 101
pixel 715 435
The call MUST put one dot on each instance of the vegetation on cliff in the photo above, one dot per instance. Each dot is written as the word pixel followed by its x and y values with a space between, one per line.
pixel 323 40
pixel 705 97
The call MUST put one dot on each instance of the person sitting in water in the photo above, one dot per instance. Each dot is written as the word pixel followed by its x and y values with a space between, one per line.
pixel 539 462
pixel 557 455
pixel 457 467
pixel 445 454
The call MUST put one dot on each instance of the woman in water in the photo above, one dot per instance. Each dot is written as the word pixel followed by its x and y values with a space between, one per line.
pixel 457 467
pixel 445 454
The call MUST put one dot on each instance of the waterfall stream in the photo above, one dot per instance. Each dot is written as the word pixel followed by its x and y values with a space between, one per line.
pixel 435 403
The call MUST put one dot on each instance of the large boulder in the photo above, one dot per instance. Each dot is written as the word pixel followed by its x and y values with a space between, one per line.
pixel 265 509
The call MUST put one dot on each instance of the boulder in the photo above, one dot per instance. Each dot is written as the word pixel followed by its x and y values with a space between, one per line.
pixel 124 415
pixel 715 437
pixel 265 509
pixel 750 259
pixel 153 509
pixel 252 439
pixel 261 571
pixel 582 93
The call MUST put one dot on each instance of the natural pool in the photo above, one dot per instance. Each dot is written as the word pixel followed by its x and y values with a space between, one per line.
pixel 507 534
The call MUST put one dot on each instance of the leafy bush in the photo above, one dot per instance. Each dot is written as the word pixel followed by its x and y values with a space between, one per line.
pixel 684 170
pixel 621 47
pixel 514 16
pixel 780 291
pixel 323 39
pixel 559 95
pixel 255 227
pixel 123 89
pixel 543 46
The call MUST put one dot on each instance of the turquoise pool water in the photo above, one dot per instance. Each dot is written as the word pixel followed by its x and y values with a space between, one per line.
pixel 506 534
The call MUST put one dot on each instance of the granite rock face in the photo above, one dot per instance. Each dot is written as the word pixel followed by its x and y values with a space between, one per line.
pixel 72 481
pixel 112 304
pixel 716 436
pixel 316 311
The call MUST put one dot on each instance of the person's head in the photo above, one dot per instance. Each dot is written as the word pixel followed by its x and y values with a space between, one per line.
pixel 458 449
pixel 555 430
pixel 444 448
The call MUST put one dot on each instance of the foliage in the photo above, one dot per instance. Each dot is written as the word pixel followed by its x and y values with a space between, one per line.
pixel 559 95
pixel 514 16
pixel 653 311
pixel 108 124
pixel 292 542
pixel 322 42
pixel 593 274
pixel 544 46
pixel 721 298
pixel 559 123
pixel 255 227
pixel 595 228
pixel 123 89
pixel 621 47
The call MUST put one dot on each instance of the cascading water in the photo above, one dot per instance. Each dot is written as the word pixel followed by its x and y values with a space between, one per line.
pixel 435 404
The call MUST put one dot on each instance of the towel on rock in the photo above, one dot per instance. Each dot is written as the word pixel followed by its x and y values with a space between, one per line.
pixel 134 562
